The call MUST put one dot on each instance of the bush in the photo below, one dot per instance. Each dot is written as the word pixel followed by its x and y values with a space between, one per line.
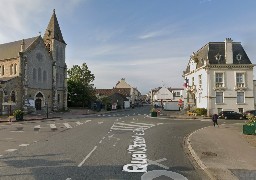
pixel 200 111
pixel 18 112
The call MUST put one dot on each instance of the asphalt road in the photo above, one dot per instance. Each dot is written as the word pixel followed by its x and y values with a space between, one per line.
pixel 120 145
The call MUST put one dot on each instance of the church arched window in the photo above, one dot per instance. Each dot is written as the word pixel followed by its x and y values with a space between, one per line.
pixel 13 97
pixel 11 69
pixel 57 78
pixel 44 76
pixel 2 70
pixel 34 74
pixel 48 46
pixel 39 75
pixel 15 68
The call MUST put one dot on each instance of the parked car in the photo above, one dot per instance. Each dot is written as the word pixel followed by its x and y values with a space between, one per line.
pixel 252 112
pixel 230 115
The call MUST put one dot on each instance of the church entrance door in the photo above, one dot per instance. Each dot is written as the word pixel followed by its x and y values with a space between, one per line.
pixel 38 104
pixel 38 101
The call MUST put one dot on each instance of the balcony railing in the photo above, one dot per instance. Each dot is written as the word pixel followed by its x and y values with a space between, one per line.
pixel 217 85
pixel 239 85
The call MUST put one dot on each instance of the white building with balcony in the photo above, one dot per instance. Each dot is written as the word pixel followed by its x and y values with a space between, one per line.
pixel 219 76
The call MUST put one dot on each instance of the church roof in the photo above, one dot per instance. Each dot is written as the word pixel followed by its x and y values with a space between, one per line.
pixel 53 29
pixel 12 49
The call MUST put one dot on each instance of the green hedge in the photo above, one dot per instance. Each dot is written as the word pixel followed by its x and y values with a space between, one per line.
pixel 200 111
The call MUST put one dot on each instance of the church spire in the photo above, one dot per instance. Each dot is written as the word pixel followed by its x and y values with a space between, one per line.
pixel 53 30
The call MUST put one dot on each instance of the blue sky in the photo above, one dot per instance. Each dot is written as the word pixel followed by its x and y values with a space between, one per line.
pixel 147 42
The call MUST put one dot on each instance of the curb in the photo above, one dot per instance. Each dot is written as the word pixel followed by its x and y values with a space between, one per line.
pixel 195 156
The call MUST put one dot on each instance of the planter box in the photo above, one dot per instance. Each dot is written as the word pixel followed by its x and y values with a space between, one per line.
pixel 249 130
pixel 19 117
pixel 153 114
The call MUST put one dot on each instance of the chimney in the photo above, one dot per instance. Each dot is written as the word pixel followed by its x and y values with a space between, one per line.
pixel 228 51
pixel 22 46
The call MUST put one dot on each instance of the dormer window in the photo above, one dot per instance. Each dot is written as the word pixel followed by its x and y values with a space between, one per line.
pixel 218 57
pixel 239 57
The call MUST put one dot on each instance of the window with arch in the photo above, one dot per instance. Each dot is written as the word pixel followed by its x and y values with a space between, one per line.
pixel 11 69
pixel 48 46
pixel 44 76
pixel 39 75
pixel 34 74
pixel 57 78
pixel 13 97
pixel 15 69
pixel 2 70
pixel 58 98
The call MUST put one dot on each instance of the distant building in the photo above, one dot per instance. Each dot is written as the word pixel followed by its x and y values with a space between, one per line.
pixel 33 71
pixel 161 95
pixel 134 93
pixel 219 76
pixel 124 89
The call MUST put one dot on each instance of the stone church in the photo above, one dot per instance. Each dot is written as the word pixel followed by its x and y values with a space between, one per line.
pixel 33 72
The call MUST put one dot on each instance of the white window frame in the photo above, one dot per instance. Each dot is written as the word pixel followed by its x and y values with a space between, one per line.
pixel 240 99
pixel 217 99
pixel 218 83
pixel 241 82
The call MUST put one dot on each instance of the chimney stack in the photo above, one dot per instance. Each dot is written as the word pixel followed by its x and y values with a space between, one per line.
pixel 228 51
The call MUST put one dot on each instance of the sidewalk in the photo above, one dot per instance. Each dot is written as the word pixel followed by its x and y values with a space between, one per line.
pixel 53 115
pixel 224 152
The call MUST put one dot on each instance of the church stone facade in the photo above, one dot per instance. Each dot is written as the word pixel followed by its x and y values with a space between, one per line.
pixel 33 72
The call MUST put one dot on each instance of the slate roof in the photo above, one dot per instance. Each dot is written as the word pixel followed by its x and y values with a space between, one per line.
pixel 210 50
pixel 12 49
pixel 53 29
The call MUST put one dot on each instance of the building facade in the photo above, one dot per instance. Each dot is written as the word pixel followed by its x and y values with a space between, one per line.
pixel 219 76
pixel 33 72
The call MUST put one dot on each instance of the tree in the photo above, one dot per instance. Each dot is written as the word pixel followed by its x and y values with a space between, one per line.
pixel 80 87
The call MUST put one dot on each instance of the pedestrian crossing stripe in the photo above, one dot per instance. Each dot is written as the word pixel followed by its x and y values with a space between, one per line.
pixel 130 126
pixel 67 125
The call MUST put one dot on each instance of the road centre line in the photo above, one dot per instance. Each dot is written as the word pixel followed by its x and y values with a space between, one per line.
pixel 88 155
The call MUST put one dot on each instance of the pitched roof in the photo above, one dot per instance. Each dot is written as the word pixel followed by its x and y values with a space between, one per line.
pixel 109 92
pixel 212 49
pixel 12 49
pixel 53 29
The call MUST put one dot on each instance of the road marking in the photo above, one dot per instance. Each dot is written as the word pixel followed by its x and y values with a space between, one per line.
pixel 53 127
pixel 67 125
pixel 16 131
pixel 100 122
pixel 87 121
pixel 88 155
pixel 37 128
pixel 79 123
pixel 23 145
pixel 156 162
pixel 130 126
pixel 11 150
pixel 1 155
